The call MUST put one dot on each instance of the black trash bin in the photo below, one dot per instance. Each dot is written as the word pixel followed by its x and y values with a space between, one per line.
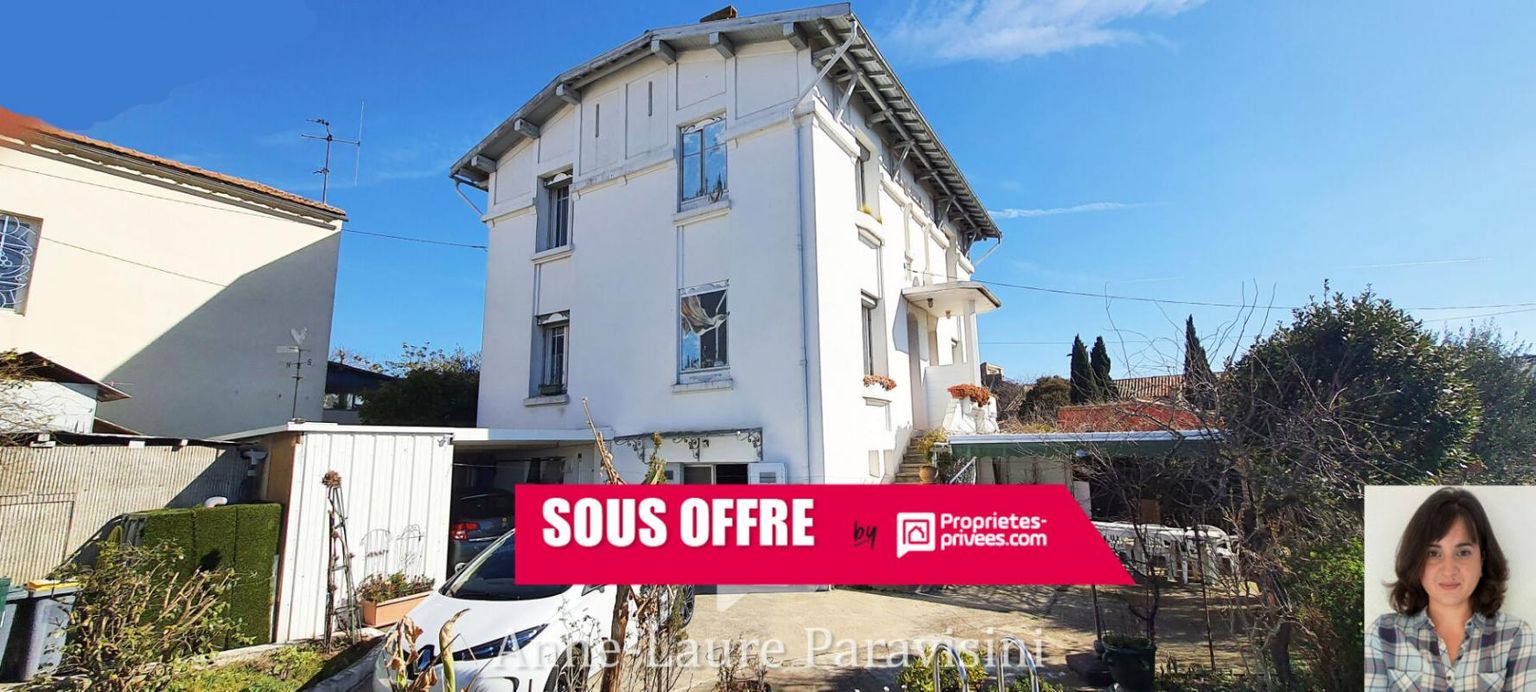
pixel 38 627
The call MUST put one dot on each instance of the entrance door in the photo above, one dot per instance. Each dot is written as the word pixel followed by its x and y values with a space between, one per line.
pixel 915 370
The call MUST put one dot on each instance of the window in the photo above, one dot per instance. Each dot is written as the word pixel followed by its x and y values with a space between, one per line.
pixel 557 205
pixel 18 248
pixel 702 168
pixel 703 318
pixel 861 179
pixel 554 353
pixel 342 402
pixel 870 321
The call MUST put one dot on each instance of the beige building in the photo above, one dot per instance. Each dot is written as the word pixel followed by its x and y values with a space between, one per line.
pixel 173 284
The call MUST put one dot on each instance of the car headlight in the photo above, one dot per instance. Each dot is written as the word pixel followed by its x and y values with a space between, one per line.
pixel 499 645
pixel 483 651
pixel 521 639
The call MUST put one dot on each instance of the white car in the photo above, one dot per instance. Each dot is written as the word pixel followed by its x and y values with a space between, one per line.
pixel 516 638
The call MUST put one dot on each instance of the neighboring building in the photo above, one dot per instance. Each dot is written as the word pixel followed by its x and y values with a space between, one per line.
pixel 991 375
pixel 170 283
pixel 1164 388
pixel 1126 416
pixel 716 231
pixel 40 395
pixel 346 387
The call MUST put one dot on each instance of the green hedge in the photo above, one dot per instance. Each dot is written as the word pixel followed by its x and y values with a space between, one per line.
pixel 238 537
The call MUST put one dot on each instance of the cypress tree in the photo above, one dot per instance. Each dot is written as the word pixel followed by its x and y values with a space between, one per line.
pixel 1083 389
pixel 1103 382
pixel 1199 381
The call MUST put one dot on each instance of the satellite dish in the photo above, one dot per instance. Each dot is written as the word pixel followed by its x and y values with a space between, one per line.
pixel 298 335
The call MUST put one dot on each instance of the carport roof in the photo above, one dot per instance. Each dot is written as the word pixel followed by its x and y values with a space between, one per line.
pixel 1142 443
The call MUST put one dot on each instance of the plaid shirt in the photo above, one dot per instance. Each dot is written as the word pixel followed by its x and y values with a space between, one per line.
pixel 1403 652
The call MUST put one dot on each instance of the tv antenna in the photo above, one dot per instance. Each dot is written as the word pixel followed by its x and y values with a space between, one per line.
pixel 298 363
pixel 329 139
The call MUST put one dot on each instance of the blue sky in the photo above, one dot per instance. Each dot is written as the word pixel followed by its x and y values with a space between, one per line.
pixel 1171 149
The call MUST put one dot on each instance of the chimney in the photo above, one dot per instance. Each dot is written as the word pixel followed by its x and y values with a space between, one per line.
pixel 727 12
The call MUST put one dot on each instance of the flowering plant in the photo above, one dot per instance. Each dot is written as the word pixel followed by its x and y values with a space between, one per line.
pixel 975 393
pixel 885 382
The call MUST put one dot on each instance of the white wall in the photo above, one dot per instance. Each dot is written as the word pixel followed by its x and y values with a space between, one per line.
pixel 1388 509
pixel 193 339
pixel 394 485
pixel 632 251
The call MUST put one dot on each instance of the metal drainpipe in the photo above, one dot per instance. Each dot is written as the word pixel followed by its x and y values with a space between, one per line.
pixel 456 183
pixel 814 464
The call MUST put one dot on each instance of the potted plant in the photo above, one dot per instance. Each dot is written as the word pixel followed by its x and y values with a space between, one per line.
pixel 1132 660
pixel 976 394
pixel 884 382
pixel 385 598
pixel 927 472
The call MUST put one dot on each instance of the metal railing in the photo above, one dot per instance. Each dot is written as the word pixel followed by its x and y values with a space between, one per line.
pixel 937 664
pixel 967 473
pixel 1029 661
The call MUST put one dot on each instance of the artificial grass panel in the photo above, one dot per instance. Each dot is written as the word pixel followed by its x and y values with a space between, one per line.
pixel 174 527
pixel 238 537
pixel 255 551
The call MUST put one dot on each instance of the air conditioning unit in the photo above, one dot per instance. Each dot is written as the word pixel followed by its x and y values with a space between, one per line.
pixel 766 474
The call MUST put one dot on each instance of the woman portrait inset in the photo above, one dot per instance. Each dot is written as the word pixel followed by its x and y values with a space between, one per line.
pixel 1447 632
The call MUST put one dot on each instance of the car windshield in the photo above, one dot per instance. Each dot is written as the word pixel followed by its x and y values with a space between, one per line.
pixel 489 577
pixel 477 506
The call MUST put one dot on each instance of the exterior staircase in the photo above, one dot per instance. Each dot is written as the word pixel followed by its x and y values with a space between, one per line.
pixel 907 472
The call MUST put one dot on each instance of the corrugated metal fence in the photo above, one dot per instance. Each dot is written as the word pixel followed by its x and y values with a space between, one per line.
pixel 55 499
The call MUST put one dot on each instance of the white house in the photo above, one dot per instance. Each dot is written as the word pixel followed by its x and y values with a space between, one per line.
pixel 715 232
pixel 172 284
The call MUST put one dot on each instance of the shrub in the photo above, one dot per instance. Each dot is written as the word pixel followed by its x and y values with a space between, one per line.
pixel 383 587
pixel 925 444
pixel 139 618
pixel 1326 590
pixel 917 676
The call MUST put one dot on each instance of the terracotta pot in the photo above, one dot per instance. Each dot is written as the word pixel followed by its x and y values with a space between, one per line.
pixel 926 472
pixel 384 613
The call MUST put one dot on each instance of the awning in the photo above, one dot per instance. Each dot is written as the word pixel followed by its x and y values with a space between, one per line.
pixel 1154 443
pixel 952 298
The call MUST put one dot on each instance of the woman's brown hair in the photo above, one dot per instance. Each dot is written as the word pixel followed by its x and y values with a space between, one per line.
pixel 1429 524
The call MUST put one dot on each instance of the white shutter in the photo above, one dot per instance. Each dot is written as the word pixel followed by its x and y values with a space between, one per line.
pixel 673 473
pixel 766 474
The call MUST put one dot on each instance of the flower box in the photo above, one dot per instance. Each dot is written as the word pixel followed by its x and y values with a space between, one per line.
pixel 882 381
pixel 385 598
pixel 385 613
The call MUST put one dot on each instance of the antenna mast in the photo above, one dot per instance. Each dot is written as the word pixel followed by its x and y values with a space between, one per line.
pixel 325 170
pixel 298 363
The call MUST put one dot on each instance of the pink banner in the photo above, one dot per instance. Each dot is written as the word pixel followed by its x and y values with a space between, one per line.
pixel 808 534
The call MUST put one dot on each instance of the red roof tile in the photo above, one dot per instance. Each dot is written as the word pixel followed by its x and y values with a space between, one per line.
pixel 26 128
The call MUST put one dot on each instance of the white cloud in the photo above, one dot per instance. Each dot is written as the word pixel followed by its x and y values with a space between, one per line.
pixel 1058 211
pixel 1004 30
